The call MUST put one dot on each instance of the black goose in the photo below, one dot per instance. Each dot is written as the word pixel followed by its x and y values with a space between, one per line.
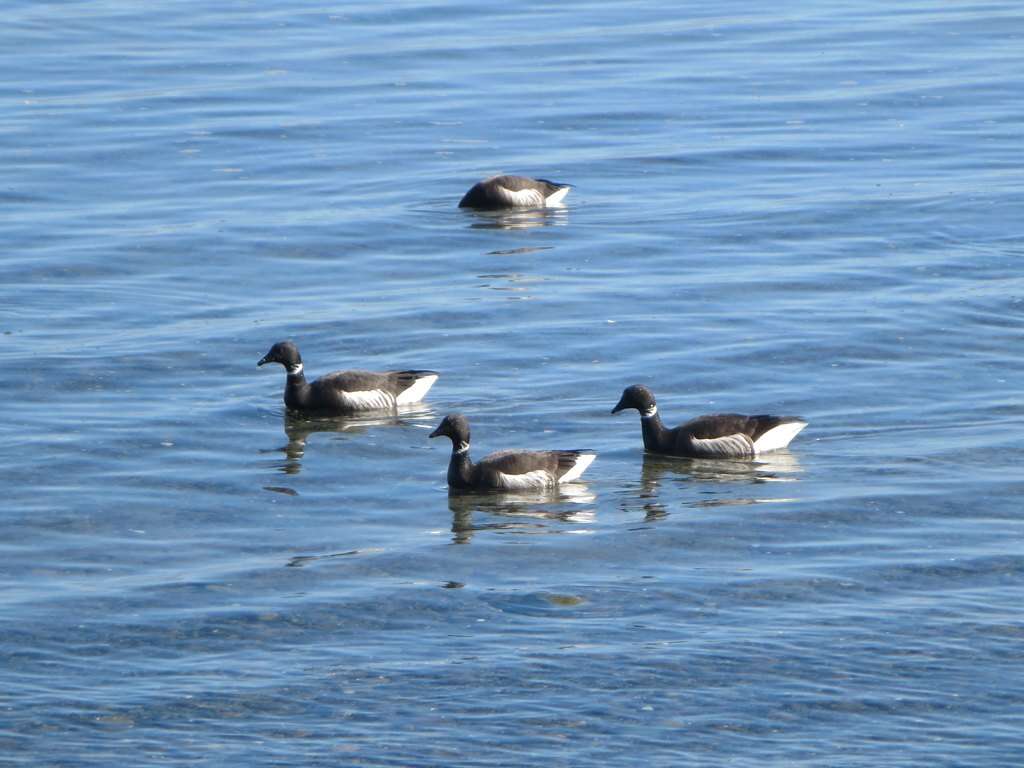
pixel 507 470
pixel 346 392
pixel 718 436
pixel 513 192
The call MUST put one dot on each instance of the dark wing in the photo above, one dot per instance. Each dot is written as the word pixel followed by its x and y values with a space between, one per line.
pixel 728 434
pixel 521 470
pixel 351 391
pixel 758 425
pixel 722 424
pixel 522 185
pixel 519 183
pixel 518 470
pixel 550 187
pixel 520 462
pixel 405 379
pixel 718 435
pixel 357 381
pixel 392 382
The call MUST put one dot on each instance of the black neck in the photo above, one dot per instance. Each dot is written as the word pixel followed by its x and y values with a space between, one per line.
pixel 296 390
pixel 655 434
pixel 460 468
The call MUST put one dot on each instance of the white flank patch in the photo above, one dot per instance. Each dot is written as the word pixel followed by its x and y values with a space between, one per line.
pixel 778 437
pixel 584 461
pixel 737 445
pixel 538 478
pixel 368 400
pixel 556 197
pixel 524 198
pixel 417 391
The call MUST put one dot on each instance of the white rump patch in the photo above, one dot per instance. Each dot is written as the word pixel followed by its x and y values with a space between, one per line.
pixel 536 479
pixel 556 197
pixel 524 198
pixel 727 446
pixel 367 400
pixel 584 461
pixel 778 437
pixel 416 391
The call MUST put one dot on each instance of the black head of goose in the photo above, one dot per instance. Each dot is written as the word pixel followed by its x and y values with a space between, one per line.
pixel 507 470
pixel 720 435
pixel 346 392
pixel 499 192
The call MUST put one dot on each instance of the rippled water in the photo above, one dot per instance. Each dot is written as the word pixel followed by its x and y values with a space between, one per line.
pixel 807 208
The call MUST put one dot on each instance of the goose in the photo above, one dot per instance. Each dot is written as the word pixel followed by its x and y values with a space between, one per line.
pixel 717 436
pixel 346 392
pixel 507 470
pixel 514 192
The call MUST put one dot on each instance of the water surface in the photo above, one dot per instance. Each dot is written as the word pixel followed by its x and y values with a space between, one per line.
pixel 805 209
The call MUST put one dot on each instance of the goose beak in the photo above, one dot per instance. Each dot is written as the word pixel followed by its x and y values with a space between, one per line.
pixel 620 406
pixel 436 433
pixel 264 359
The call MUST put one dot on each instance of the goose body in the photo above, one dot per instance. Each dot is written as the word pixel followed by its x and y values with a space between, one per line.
pixel 499 192
pixel 716 436
pixel 346 392
pixel 507 470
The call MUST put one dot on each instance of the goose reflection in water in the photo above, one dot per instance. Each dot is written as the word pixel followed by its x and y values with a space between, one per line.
pixel 518 218
pixel 298 430
pixel 525 512
pixel 777 467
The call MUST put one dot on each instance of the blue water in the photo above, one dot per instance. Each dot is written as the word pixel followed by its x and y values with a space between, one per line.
pixel 802 208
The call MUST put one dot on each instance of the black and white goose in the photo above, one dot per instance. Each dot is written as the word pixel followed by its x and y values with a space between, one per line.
pixel 346 392
pixel 718 436
pixel 507 470
pixel 500 192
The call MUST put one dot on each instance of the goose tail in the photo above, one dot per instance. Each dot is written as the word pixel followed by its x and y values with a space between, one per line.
pixel 780 435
